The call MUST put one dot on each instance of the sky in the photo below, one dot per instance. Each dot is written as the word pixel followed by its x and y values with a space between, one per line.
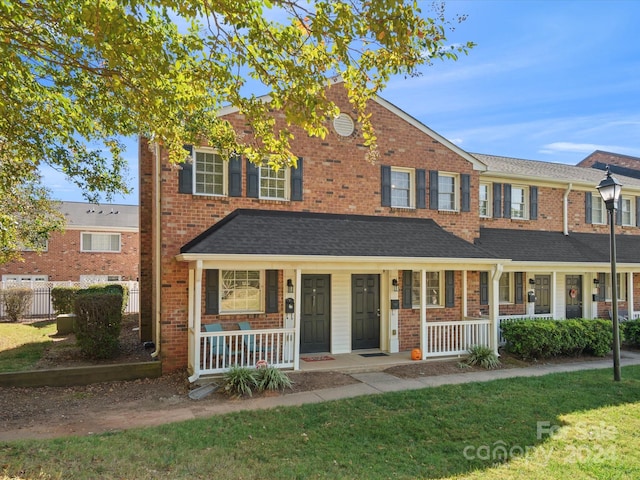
pixel 548 80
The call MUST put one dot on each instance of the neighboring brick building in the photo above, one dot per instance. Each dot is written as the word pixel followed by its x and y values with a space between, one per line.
pixel 100 243
pixel 428 248
pixel 618 164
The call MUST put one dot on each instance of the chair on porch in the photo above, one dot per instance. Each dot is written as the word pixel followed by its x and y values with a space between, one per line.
pixel 218 345
pixel 250 340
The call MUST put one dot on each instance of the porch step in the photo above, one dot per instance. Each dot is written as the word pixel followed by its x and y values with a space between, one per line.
pixel 201 392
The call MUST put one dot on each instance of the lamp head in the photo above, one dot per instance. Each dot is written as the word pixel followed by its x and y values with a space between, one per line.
pixel 610 189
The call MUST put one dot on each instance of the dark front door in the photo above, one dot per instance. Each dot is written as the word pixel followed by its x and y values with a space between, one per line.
pixel 365 311
pixel 315 315
pixel 574 296
pixel 543 294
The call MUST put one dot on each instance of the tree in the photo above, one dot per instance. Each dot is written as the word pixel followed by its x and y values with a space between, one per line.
pixel 76 72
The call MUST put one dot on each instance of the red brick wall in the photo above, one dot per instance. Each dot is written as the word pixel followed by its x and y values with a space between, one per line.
pixel 611 159
pixel 63 261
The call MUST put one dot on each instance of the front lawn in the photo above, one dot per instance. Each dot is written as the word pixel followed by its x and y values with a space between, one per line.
pixel 566 425
pixel 22 344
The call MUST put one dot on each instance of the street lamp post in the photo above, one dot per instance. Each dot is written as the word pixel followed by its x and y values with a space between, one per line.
pixel 609 189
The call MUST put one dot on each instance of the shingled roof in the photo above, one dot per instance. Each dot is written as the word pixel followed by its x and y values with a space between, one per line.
pixel 263 232
pixel 536 246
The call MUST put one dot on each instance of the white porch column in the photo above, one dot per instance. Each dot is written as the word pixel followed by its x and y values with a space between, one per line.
pixel 298 307
pixel 423 314
pixel 194 314
pixel 394 342
pixel 465 312
pixel 630 295
pixel 494 305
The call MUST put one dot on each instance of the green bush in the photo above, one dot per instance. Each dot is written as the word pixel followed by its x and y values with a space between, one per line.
pixel 98 323
pixel 531 339
pixel 16 301
pixel 115 288
pixel 272 378
pixel 631 331
pixel 63 299
pixel 482 356
pixel 239 381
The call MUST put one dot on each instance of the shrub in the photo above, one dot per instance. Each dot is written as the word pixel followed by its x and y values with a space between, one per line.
pixel 531 339
pixel 272 378
pixel 16 301
pixel 482 356
pixel 239 381
pixel 63 299
pixel 98 323
pixel 115 288
pixel 631 331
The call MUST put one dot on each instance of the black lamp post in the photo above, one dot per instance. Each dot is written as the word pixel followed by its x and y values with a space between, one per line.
pixel 609 189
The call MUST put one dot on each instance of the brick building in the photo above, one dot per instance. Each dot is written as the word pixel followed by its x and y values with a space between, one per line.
pixel 100 243
pixel 430 247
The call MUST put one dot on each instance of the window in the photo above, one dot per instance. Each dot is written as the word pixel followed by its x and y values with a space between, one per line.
pixel 44 244
pixel 626 211
pixel 621 285
pixel 433 289
pixel 273 184
pixel 485 200
pixel 24 278
pixel 401 188
pixel 598 210
pixel 504 288
pixel 241 291
pixel 210 174
pixel 519 204
pixel 87 279
pixel 447 192
pixel 100 242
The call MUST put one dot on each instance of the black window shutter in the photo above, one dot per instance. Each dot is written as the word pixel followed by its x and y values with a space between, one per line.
pixel 433 189
pixel 385 187
pixel 519 287
pixel 235 176
pixel 619 212
pixel 253 180
pixel 188 148
pixel 637 211
pixel 602 287
pixel 497 200
pixel 296 182
pixel 506 191
pixel 484 288
pixel 185 178
pixel 271 290
pixel 587 207
pixel 421 188
pixel 211 292
pixel 407 284
pixel 465 188
pixel 449 289
pixel 533 203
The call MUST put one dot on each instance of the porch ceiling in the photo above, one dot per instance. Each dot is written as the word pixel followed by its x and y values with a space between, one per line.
pixel 263 232
pixel 535 246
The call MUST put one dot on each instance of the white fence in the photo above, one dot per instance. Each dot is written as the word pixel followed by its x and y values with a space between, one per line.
pixel 455 338
pixel 218 351
pixel 41 300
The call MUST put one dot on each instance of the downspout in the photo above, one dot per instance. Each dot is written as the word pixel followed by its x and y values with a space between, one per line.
pixel 156 257
pixel 565 209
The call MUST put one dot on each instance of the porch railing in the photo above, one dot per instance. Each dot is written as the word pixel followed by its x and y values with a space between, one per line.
pixel 455 338
pixel 218 351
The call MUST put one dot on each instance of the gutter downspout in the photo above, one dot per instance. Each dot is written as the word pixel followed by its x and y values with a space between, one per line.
pixel 565 209
pixel 156 257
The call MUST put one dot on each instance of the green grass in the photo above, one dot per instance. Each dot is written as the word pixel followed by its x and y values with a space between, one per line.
pixel 21 345
pixel 446 432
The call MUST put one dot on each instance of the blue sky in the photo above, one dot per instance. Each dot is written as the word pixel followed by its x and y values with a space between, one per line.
pixel 548 80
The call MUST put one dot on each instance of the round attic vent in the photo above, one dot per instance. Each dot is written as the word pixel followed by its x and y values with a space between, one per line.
pixel 343 125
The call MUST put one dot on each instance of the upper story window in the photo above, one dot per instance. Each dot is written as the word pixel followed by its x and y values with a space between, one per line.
pixel 484 198
pixel 626 211
pixel 274 184
pixel 402 187
pixel 210 173
pixel 43 247
pixel 598 210
pixel 519 202
pixel 100 242
pixel 241 291
pixel 447 198
pixel 505 288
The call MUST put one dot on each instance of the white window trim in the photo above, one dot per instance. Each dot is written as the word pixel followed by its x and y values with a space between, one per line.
pixel 415 299
pixel 286 180
pixel 597 199
pixel 489 213
pixel 239 312
pixel 622 286
pixel 101 234
pixel 25 278
pixel 225 174
pixel 412 188
pixel 631 222
pixel 456 191
pixel 525 202
pixel 511 289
